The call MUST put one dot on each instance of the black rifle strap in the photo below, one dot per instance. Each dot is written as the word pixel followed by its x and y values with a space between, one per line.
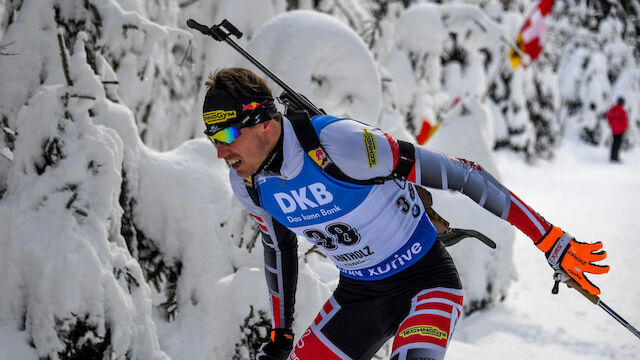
pixel 252 190
pixel 308 139
pixel 406 160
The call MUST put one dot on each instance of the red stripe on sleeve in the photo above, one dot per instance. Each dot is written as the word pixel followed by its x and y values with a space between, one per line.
pixel 275 310
pixel 412 174
pixel 395 150
pixel 528 221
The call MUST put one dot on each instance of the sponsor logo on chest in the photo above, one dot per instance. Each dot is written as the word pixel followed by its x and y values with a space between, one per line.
pixel 306 197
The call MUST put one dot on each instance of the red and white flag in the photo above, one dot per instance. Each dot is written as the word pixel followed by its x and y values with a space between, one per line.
pixel 532 36
pixel 426 131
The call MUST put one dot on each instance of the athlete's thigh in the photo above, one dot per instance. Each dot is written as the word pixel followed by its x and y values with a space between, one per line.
pixel 425 333
pixel 353 331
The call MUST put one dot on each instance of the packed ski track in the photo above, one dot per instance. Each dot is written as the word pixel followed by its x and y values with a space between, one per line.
pixel 594 200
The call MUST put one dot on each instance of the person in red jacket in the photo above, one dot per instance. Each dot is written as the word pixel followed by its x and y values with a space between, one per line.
pixel 618 121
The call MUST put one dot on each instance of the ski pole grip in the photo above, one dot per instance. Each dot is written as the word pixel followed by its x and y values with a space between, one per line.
pixel 573 284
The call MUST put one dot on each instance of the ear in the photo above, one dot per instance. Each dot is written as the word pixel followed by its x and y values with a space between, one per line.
pixel 272 127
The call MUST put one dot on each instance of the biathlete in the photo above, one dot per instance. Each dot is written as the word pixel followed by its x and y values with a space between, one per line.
pixel 396 280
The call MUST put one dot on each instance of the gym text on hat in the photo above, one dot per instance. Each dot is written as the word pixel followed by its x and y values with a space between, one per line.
pixel 217 116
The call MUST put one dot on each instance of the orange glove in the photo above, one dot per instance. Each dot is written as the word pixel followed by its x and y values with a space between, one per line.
pixel 575 258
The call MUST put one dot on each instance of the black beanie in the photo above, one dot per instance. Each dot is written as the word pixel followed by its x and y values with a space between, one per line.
pixel 221 110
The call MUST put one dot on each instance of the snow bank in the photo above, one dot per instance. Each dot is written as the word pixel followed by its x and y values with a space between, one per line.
pixel 323 59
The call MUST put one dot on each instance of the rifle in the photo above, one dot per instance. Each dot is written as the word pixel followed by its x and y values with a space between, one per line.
pixel 291 99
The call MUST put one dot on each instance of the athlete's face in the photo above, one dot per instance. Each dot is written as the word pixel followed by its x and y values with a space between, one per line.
pixel 249 150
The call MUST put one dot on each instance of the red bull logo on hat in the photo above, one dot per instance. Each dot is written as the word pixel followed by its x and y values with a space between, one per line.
pixel 252 106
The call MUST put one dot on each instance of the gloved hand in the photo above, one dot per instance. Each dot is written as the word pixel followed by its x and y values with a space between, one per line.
pixel 575 258
pixel 278 347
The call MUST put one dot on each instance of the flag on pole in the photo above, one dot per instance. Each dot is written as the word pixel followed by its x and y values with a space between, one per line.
pixel 426 131
pixel 531 38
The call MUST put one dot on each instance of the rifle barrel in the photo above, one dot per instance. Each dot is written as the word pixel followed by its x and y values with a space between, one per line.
pixel 216 35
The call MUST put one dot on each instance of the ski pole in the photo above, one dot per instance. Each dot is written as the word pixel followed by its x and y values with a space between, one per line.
pixel 218 33
pixel 595 299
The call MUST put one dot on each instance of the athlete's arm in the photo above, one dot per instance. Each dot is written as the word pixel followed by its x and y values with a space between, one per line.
pixel 361 156
pixel 281 271
pixel 280 259
pixel 436 170
pixel 362 152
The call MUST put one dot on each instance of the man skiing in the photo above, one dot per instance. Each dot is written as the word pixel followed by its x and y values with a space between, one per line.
pixel 396 280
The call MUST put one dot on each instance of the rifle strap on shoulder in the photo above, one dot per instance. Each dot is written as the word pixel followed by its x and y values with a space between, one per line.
pixel 308 139
pixel 252 190
pixel 406 160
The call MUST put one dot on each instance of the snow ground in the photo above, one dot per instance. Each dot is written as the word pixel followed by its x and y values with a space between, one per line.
pixel 594 200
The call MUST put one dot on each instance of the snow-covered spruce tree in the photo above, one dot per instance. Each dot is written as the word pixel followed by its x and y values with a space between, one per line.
pixel 115 58
pixel 599 42
pixel 456 50
pixel 125 60
pixel 542 102
pixel 414 66
pixel 255 331
pixel 69 282
pixel 526 101
pixel 155 84
pixel 50 138
pixel 455 53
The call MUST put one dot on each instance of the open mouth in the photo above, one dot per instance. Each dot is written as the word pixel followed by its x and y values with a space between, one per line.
pixel 233 163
